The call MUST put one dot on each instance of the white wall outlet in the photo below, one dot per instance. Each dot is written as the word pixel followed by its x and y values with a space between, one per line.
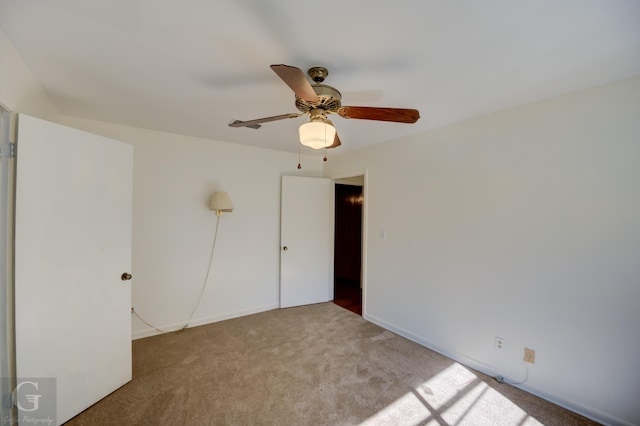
pixel 499 343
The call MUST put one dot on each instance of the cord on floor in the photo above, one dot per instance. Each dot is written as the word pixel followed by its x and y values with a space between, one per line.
pixel 501 379
pixel 133 311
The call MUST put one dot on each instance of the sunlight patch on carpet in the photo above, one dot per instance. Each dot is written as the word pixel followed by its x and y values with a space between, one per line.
pixel 406 410
pixel 455 396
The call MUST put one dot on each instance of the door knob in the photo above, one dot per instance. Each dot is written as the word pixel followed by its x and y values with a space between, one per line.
pixel 285 248
pixel 125 276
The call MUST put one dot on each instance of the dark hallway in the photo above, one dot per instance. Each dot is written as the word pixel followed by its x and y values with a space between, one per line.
pixel 348 247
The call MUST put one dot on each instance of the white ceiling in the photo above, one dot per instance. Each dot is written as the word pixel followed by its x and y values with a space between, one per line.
pixel 192 66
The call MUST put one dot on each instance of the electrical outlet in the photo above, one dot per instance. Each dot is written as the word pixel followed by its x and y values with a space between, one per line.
pixel 499 343
pixel 529 355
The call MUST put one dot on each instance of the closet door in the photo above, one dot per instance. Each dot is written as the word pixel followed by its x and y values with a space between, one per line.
pixel 306 227
pixel 72 247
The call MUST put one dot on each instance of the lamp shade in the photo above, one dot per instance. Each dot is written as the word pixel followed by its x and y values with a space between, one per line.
pixel 317 134
pixel 220 202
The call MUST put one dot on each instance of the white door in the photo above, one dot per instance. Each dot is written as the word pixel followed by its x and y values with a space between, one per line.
pixel 73 243
pixel 306 241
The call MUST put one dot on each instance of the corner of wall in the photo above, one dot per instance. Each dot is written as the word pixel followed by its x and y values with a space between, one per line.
pixel 20 91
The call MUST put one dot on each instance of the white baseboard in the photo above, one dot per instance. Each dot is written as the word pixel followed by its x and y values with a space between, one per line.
pixel 463 359
pixel 148 332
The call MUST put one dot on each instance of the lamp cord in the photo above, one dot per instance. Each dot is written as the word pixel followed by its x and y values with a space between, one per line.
pixel 206 279
pixel 204 285
pixel 150 325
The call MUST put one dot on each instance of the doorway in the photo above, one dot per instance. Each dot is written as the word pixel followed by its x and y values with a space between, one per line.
pixel 348 282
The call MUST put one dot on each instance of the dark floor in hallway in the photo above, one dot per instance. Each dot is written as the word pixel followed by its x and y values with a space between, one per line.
pixel 348 295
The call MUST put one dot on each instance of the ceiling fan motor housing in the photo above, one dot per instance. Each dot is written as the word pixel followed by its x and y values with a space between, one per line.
pixel 318 74
pixel 329 99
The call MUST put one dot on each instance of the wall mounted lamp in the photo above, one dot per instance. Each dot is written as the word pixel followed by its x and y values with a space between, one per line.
pixel 220 202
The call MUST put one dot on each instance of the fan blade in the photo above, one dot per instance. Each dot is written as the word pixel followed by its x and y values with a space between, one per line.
pixel 336 142
pixel 296 80
pixel 398 115
pixel 255 124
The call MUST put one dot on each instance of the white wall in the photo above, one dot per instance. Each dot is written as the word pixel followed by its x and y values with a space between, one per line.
pixel 19 89
pixel 173 228
pixel 523 224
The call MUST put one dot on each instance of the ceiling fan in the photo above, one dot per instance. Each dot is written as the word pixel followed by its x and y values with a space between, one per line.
pixel 319 100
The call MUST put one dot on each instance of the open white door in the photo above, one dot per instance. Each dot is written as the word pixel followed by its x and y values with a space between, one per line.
pixel 73 243
pixel 306 239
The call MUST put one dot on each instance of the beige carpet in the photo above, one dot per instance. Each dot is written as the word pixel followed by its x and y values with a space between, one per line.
pixel 312 365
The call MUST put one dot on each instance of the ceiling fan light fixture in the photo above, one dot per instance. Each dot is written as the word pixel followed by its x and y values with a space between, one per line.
pixel 317 134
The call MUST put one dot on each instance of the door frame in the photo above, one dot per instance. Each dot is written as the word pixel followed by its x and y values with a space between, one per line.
pixel 7 204
pixel 365 203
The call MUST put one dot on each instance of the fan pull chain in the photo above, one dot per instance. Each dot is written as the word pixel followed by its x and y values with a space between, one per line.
pixel 299 165
pixel 325 142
